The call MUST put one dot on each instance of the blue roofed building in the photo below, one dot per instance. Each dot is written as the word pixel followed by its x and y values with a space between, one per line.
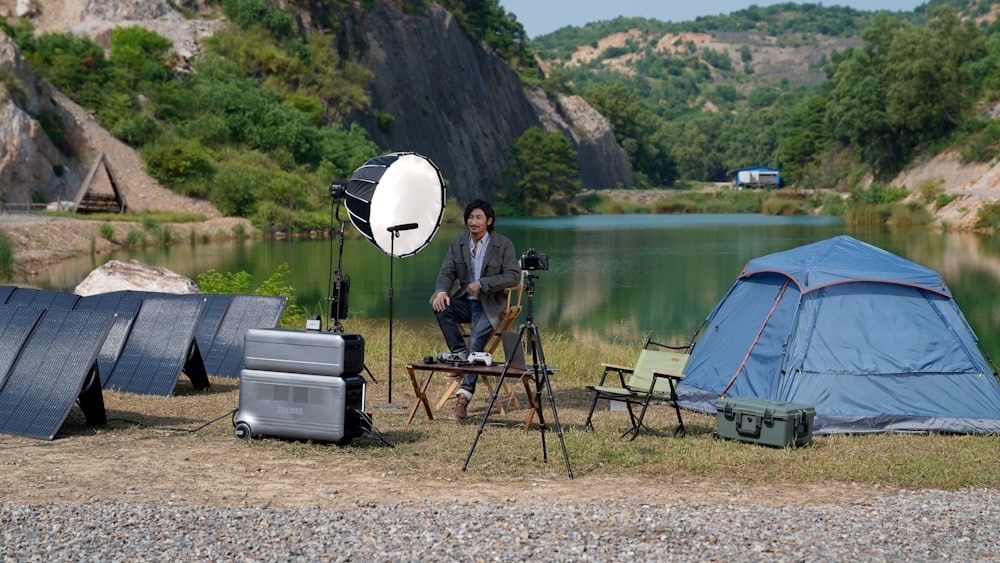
pixel 755 177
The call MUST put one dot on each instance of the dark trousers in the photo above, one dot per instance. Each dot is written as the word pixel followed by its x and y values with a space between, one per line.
pixel 465 311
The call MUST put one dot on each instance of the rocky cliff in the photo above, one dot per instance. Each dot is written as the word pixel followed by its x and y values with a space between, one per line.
pixel 32 168
pixel 451 99
pixel 458 104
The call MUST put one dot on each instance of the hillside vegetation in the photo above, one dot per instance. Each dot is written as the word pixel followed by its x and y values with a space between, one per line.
pixel 841 100
pixel 831 95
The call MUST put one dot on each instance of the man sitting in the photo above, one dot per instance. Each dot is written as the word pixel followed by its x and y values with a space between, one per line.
pixel 481 265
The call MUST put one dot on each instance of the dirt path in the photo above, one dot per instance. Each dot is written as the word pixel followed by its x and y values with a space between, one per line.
pixel 115 467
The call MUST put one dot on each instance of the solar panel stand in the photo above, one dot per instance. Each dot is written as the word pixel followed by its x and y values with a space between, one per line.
pixel 194 368
pixel 91 398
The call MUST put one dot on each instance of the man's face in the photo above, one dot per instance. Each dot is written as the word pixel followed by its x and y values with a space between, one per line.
pixel 478 223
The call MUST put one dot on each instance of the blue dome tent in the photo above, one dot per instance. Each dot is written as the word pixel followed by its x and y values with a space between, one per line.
pixel 873 341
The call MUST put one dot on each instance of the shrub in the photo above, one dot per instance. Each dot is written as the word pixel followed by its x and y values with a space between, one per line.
pixel 135 238
pixel 176 161
pixel 137 131
pixel 107 232
pixel 276 284
pixel 235 182
pixel 877 193
pixel 988 215
pixel 785 207
pixel 910 215
pixel 212 281
pixel 833 206
pixel 930 189
pixel 867 214
pixel 944 199
pixel 6 258
pixel 385 121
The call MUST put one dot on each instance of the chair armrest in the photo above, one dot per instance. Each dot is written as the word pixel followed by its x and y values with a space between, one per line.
pixel 620 370
pixel 674 379
pixel 663 374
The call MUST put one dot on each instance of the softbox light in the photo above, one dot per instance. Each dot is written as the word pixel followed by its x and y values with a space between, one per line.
pixel 397 195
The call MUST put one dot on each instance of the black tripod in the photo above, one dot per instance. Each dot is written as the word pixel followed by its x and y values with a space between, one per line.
pixel 540 374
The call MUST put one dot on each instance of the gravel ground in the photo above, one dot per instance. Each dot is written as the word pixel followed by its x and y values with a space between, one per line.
pixel 904 526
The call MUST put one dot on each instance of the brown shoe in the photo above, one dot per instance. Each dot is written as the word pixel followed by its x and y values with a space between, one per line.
pixel 461 406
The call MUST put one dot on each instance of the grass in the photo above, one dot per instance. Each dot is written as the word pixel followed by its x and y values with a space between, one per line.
pixel 6 257
pixel 145 217
pixel 437 448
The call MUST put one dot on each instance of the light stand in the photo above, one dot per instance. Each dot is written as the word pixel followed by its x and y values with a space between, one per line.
pixel 394 231
pixel 340 287
pixel 540 374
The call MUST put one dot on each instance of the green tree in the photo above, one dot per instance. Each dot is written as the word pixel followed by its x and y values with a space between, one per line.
pixel 909 85
pixel 543 167
pixel 138 55
pixel 928 78
pixel 805 135
pixel 857 114
pixel 74 65
pixel 637 129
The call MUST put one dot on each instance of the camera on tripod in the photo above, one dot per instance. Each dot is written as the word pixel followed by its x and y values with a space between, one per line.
pixel 533 260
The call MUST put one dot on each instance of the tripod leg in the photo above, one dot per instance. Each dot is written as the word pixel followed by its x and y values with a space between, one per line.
pixel 489 409
pixel 544 374
pixel 552 399
pixel 536 373
pixel 368 371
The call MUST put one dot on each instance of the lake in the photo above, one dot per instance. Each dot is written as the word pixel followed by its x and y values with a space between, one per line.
pixel 609 275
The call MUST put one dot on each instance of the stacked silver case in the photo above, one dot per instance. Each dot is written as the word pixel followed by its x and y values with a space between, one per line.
pixel 302 384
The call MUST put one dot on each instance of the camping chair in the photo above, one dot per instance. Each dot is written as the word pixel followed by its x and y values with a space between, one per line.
pixel 653 378
pixel 507 318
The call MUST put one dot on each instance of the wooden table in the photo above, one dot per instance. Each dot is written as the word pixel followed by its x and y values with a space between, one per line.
pixel 420 388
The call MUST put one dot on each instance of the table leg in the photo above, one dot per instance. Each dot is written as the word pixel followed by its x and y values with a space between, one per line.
pixel 421 394
pixel 531 402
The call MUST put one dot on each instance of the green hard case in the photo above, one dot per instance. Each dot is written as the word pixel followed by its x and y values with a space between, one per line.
pixel 763 421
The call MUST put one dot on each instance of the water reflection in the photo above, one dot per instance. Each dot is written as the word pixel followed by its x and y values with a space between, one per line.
pixel 613 276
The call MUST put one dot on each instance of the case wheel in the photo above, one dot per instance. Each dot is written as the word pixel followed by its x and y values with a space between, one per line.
pixel 242 431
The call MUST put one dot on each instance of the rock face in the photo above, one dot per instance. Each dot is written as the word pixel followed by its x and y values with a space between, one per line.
pixel 451 99
pixel 119 275
pixel 31 166
pixel 603 163
pixel 456 103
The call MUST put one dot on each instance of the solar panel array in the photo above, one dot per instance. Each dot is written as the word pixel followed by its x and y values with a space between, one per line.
pixel 57 349
pixel 52 372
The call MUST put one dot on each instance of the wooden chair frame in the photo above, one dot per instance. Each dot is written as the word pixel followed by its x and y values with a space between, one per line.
pixel 507 318
pixel 653 378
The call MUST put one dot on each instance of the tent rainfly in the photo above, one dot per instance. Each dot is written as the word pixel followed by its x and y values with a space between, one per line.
pixel 873 341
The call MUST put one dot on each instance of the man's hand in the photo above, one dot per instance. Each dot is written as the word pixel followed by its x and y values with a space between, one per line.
pixel 440 301
pixel 474 288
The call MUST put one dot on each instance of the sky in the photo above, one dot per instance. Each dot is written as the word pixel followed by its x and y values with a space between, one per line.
pixel 544 16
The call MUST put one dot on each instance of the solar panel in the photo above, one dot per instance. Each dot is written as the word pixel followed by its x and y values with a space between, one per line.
pixel 215 309
pixel 5 291
pixel 211 318
pixel 225 359
pixel 158 348
pixel 15 327
pixel 42 298
pixel 57 365
pixel 125 310
pixel 136 294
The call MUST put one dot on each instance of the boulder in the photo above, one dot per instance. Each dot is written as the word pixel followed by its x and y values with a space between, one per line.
pixel 119 275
